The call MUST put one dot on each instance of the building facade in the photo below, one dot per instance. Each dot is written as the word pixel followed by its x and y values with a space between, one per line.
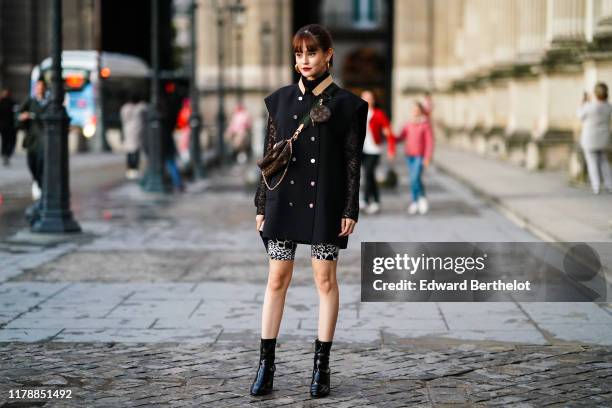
pixel 506 75
pixel 25 32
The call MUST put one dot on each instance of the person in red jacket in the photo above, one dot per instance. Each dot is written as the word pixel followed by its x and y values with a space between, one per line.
pixel 378 125
pixel 418 148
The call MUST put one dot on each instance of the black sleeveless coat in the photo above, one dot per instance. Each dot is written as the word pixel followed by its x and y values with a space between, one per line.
pixel 321 185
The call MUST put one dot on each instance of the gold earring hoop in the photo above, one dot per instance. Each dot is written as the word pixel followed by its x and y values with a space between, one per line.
pixel 296 68
pixel 328 65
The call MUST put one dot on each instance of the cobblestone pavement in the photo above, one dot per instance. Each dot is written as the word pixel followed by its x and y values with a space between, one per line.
pixel 159 304
pixel 120 375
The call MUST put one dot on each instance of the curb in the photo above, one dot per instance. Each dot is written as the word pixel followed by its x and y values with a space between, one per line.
pixel 497 203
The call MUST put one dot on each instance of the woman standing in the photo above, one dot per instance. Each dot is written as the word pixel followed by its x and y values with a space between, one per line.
pixel 595 137
pixel 317 199
pixel 418 148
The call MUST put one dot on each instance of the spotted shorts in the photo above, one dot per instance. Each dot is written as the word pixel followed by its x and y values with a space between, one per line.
pixel 280 249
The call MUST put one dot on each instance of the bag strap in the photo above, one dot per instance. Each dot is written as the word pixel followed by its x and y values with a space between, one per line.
pixel 326 95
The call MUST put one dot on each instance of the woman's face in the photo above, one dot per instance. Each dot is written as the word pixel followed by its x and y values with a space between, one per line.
pixel 312 63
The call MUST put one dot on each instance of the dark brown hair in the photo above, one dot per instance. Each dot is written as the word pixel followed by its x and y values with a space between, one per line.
pixel 601 91
pixel 315 36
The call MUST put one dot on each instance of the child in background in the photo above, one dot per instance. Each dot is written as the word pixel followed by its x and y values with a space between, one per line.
pixel 418 148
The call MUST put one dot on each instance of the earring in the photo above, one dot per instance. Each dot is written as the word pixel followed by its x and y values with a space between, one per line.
pixel 328 65
pixel 296 68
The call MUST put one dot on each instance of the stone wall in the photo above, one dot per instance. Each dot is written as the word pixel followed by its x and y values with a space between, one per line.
pixel 506 75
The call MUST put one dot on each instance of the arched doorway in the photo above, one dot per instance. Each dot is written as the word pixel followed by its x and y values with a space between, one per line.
pixel 365 69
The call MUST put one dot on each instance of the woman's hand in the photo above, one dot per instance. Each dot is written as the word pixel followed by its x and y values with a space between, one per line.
pixel 426 163
pixel 347 226
pixel 259 221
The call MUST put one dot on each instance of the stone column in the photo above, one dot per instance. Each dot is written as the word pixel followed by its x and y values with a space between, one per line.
pixel 411 55
pixel 565 21
pixel 559 79
pixel 504 25
pixel 471 36
pixel 485 29
pixel 532 29
pixel 603 22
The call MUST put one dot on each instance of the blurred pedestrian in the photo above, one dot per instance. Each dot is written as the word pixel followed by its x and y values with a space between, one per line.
pixel 378 125
pixel 169 151
pixel 133 124
pixel 238 134
pixel 184 131
pixel 30 119
pixel 417 135
pixel 8 133
pixel 595 137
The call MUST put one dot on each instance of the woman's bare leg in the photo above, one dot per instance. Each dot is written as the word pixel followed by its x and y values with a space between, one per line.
pixel 279 277
pixel 329 296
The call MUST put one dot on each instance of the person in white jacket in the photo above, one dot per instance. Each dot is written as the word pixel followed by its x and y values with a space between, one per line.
pixel 595 116
pixel 133 122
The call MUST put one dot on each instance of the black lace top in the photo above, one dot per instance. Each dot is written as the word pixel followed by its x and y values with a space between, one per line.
pixel 269 140
pixel 352 151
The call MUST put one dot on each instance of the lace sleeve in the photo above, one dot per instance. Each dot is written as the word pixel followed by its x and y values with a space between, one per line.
pixel 269 140
pixel 353 145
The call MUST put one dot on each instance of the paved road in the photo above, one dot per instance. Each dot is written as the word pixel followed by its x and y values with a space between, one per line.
pixel 160 302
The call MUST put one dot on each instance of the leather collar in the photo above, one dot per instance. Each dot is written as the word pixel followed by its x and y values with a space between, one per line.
pixel 319 88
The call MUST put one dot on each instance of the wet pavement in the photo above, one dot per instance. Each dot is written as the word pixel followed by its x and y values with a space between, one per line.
pixel 92 177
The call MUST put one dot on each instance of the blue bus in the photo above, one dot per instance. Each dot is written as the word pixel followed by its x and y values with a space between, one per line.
pixel 88 75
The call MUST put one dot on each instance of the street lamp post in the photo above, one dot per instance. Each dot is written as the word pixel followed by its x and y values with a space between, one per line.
pixel 55 214
pixel 238 12
pixel 100 144
pixel 154 177
pixel 220 87
pixel 195 120
pixel 266 39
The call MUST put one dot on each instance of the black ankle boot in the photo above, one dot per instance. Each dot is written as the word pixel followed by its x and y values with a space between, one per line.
pixel 264 379
pixel 319 387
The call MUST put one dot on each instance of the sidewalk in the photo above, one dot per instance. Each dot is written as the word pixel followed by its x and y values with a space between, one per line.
pixel 542 202
pixel 18 172
pixel 161 305
pixel 163 265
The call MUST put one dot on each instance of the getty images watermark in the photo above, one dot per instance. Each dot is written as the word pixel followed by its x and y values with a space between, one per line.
pixel 485 271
